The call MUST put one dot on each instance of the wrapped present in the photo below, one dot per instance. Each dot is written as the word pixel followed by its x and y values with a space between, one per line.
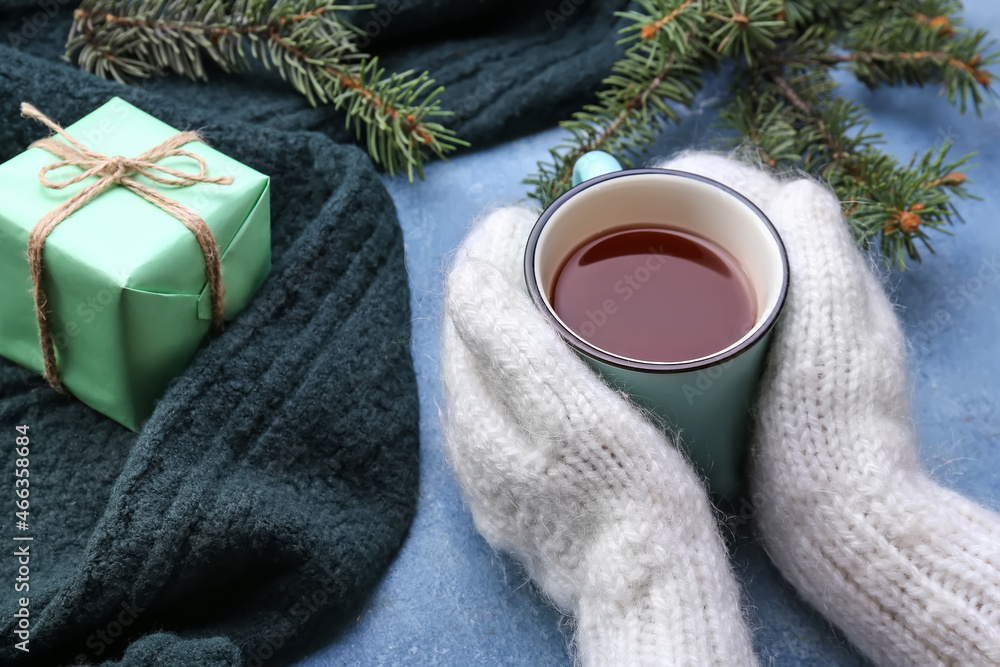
pixel 123 244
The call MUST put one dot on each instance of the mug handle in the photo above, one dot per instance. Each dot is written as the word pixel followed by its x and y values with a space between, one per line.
pixel 593 164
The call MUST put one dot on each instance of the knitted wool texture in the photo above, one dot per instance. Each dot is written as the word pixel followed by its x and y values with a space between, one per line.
pixel 612 523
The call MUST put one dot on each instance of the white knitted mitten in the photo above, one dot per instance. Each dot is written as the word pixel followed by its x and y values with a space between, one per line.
pixel 562 472
pixel 909 571
pixel 609 519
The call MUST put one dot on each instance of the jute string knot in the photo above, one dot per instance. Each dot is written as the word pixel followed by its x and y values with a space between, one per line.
pixel 111 171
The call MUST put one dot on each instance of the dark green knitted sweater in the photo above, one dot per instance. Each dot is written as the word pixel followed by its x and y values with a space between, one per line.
pixel 277 477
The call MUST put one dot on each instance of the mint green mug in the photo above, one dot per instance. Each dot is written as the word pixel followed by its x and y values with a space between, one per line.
pixel 707 400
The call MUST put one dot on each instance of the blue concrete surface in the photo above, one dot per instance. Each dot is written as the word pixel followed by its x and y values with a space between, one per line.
pixel 450 600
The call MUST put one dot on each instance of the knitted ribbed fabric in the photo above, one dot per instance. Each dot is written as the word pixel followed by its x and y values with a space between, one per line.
pixel 609 519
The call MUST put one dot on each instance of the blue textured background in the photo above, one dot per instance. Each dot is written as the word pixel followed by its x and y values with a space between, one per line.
pixel 450 600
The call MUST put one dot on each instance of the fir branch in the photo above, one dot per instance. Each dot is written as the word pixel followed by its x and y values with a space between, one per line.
pixel 597 129
pixel 657 71
pixel 305 41
pixel 784 104
pixel 893 202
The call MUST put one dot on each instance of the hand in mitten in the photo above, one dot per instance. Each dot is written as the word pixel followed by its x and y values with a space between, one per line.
pixel 908 570
pixel 561 471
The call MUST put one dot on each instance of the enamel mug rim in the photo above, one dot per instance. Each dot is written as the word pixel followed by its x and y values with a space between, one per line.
pixel 666 367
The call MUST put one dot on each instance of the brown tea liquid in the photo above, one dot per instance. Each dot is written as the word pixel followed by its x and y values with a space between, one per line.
pixel 654 294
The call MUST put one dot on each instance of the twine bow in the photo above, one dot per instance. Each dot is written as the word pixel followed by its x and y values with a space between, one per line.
pixel 111 171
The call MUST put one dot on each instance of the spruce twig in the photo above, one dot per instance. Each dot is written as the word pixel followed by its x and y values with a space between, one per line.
pixel 784 102
pixel 305 41
pixel 633 108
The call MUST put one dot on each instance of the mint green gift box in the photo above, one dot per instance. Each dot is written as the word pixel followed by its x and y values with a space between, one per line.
pixel 128 299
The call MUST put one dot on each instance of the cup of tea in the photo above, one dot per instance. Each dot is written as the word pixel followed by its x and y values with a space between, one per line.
pixel 669 284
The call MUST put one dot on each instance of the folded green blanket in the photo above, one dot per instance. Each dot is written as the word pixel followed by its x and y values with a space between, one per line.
pixel 278 476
